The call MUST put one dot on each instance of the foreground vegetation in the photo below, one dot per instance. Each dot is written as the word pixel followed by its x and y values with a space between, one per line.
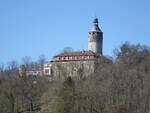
pixel 119 87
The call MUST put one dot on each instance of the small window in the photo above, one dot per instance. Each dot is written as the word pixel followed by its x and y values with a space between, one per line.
pixel 47 71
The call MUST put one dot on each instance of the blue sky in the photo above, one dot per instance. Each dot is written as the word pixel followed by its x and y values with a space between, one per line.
pixel 35 27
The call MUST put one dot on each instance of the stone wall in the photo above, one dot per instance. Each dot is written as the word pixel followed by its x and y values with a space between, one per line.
pixel 95 42
pixel 77 69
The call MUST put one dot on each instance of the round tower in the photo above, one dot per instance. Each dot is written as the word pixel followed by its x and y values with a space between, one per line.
pixel 95 38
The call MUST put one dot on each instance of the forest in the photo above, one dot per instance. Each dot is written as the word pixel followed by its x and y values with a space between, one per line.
pixel 122 86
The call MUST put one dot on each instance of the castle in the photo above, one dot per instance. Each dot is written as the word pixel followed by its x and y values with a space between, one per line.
pixel 71 63
pixel 95 46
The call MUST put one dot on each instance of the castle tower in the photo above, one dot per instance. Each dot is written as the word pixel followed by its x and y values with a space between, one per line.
pixel 95 38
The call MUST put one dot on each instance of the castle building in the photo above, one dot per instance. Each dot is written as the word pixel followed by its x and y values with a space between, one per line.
pixel 76 63
pixel 47 68
pixel 32 70
pixel 95 46
pixel 80 63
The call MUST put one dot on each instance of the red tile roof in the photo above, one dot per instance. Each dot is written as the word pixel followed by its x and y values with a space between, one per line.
pixel 77 53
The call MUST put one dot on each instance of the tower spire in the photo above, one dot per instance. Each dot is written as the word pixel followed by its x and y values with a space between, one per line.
pixel 95 25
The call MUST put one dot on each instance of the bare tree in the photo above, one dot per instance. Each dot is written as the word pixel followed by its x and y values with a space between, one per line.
pixel 41 62
pixel 27 61
pixel 68 49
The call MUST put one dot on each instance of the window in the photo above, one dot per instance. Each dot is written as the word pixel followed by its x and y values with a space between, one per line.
pixel 47 71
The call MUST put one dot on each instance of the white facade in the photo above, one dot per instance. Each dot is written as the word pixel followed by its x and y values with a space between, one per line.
pixel 47 68
pixel 34 72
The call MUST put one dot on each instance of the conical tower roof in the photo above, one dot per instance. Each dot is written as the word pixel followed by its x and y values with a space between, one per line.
pixel 95 27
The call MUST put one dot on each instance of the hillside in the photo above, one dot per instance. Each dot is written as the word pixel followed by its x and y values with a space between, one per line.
pixel 122 86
